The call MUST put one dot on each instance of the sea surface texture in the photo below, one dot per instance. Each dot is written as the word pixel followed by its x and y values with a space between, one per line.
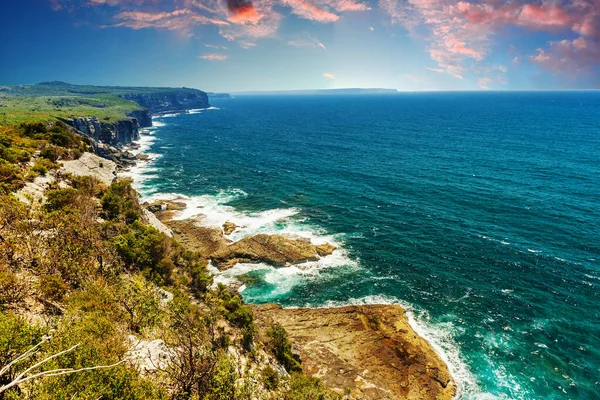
pixel 479 212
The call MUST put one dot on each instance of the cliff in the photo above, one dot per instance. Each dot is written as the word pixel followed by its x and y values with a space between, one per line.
pixel 143 117
pixel 175 100
pixel 122 131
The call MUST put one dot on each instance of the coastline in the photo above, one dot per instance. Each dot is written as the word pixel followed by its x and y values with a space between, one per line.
pixel 462 381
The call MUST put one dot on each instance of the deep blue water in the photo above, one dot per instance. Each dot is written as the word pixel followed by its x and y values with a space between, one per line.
pixel 480 212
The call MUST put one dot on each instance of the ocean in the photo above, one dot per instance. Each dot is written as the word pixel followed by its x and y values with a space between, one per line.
pixel 478 212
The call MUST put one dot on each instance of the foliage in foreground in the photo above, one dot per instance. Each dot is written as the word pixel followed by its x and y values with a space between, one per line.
pixel 80 276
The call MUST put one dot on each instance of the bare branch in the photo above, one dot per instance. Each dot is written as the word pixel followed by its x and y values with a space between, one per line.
pixel 23 356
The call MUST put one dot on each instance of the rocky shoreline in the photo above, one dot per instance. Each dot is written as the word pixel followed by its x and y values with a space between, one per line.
pixel 366 352
pixel 362 352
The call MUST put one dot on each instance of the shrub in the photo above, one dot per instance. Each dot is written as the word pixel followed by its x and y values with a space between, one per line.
pixel 222 383
pixel 88 185
pixel 10 177
pixel 52 153
pixel 53 287
pixel 303 387
pixel 11 289
pixel 282 348
pixel 16 337
pixel 270 378
pixel 100 344
pixel 143 247
pixel 201 280
pixel 60 199
pixel 140 301
pixel 120 202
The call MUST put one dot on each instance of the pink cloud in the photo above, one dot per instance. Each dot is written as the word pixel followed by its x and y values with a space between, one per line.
pixel 459 34
pixel 215 57
pixel 328 75
pixel 308 10
pixel 347 5
pixel 176 20
pixel 569 57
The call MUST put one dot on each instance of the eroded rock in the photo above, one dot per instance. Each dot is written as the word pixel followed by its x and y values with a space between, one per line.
pixel 276 250
pixel 370 350
pixel 229 228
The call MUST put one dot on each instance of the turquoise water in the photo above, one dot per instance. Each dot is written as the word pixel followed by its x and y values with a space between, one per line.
pixel 479 212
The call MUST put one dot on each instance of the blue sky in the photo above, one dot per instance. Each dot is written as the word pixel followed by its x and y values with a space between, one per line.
pixel 238 45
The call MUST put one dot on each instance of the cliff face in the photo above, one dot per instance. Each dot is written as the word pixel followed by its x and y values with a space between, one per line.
pixel 121 132
pixel 171 101
pixel 143 116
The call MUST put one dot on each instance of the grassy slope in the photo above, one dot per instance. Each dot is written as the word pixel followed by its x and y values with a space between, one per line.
pixel 48 101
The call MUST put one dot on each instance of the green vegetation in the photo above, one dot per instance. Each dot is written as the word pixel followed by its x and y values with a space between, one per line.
pixel 83 277
pixel 49 101
pixel 19 109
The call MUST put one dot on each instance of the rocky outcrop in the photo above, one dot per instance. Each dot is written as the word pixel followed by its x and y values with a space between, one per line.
pixel 176 100
pixel 370 351
pixel 206 241
pixel 276 250
pixel 143 117
pixel 91 164
pixel 229 228
pixel 116 133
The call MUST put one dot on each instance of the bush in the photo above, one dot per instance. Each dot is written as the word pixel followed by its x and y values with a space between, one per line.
pixel 42 165
pixel 100 344
pixel 282 349
pixel 140 301
pixel 201 280
pixel 120 202
pixel 52 153
pixel 10 177
pixel 88 185
pixel 16 337
pixel 303 387
pixel 11 289
pixel 270 378
pixel 222 383
pixel 60 199
pixel 53 287
pixel 145 248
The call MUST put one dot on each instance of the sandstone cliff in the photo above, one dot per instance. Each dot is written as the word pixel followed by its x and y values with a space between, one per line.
pixel 176 100
pixel 116 133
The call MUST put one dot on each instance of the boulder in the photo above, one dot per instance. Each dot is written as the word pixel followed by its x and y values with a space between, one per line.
pixel 325 249
pixel 229 228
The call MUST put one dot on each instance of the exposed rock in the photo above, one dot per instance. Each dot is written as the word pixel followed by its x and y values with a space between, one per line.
pixel 149 356
pixel 155 207
pixel 156 223
pixel 142 157
pixel 325 249
pixel 177 100
pixel 229 228
pixel 91 164
pixel 143 117
pixel 165 296
pixel 274 250
pixel 206 241
pixel 120 132
pixel 370 350
pixel 175 205
pixel 34 191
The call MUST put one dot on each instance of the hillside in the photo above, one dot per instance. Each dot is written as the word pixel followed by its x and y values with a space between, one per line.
pixel 49 101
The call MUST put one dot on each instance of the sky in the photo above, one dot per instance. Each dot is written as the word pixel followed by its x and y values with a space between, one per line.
pixel 246 45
